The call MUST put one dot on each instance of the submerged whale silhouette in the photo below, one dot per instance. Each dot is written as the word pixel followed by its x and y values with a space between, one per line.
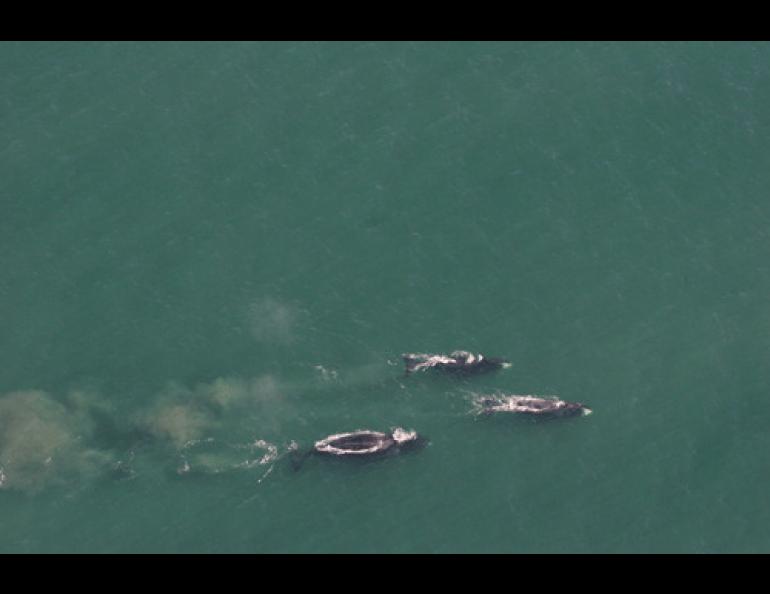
pixel 455 362
pixel 550 406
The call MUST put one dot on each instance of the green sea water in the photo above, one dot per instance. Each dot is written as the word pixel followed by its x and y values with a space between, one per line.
pixel 209 251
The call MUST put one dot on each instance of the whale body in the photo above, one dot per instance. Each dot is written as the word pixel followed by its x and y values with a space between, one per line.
pixel 455 362
pixel 365 443
pixel 362 444
pixel 537 406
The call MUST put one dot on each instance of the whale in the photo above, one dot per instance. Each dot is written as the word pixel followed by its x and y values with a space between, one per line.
pixel 362 444
pixel 533 406
pixel 458 362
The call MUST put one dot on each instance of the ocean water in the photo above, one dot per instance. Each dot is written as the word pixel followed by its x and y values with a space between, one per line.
pixel 210 251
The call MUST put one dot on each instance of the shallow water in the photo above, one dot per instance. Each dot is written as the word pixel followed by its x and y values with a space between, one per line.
pixel 235 242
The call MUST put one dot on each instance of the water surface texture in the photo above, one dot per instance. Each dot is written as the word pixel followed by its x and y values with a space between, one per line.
pixel 209 251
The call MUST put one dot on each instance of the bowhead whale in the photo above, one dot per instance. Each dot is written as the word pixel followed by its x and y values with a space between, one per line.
pixel 455 362
pixel 537 406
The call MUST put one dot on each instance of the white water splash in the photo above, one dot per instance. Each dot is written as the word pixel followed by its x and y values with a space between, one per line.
pixel 326 374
